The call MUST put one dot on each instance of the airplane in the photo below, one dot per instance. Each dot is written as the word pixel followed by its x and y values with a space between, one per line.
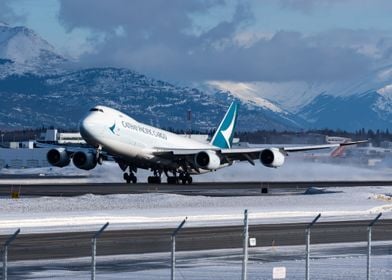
pixel 134 145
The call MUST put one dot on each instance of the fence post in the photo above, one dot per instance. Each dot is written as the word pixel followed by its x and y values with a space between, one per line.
pixel 5 253
pixel 94 249
pixel 245 246
pixel 369 252
pixel 173 251
pixel 308 245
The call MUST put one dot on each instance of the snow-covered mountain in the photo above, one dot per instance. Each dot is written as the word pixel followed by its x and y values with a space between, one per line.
pixel 36 89
pixel 24 51
pixel 61 100
pixel 364 102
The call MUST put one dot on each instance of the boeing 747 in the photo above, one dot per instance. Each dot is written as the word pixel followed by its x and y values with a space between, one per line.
pixel 134 145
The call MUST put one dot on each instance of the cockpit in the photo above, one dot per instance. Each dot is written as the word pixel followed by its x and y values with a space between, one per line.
pixel 96 110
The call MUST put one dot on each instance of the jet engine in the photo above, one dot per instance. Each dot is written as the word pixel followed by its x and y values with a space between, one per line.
pixel 207 160
pixel 58 157
pixel 272 157
pixel 84 160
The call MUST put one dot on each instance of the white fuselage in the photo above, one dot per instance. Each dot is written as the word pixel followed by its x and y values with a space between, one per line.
pixel 123 136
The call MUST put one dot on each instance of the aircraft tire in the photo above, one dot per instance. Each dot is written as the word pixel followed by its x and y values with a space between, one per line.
pixel 172 180
pixel 154 180
pixel 100 160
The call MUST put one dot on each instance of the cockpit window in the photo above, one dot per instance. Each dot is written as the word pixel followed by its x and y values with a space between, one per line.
pixel 96 109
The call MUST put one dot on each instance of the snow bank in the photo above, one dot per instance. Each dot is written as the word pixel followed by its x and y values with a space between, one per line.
pixel 156 210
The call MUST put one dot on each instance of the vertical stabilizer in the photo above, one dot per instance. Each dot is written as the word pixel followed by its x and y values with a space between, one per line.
pixel 223 137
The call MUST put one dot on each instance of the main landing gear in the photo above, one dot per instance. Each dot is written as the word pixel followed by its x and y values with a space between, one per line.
pixel 183 178
pixel 130 178
pixel 156 179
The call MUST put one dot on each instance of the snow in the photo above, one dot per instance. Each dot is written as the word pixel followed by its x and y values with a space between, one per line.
pixel 293 96
pixel 21 44
pixel 159 210
pixel 149 210
pixel 282 96
pixel 386 91
pixel 154 210
pixel 247 93
pixel 28 52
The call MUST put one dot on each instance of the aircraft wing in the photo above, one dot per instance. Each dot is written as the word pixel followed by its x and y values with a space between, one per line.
pixel 244 154
pixel 251 154
pixel 320 147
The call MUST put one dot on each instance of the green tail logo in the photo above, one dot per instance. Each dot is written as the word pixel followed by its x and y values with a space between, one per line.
pixel 223 137
pixel 112 128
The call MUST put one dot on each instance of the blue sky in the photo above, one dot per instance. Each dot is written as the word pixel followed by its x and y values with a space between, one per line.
pixel 248 40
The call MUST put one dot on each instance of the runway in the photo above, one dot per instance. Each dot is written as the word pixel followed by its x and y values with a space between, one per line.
pixel 209 189
pixel 69 245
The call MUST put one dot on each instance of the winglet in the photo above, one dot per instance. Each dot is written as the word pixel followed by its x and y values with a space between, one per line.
pixel 223 137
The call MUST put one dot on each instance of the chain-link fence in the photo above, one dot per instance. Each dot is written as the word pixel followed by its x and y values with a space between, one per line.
pixel 338 250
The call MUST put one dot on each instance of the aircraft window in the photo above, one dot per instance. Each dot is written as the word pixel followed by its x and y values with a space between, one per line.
pixel 96 109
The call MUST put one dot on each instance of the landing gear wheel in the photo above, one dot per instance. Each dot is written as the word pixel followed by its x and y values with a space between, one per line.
pixel 126 177
pixel 100 160
pixel 130 178
pixel 154 180
pixel 172 180
pixel 186 178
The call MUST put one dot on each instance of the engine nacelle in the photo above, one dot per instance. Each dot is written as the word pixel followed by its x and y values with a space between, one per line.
pixel 272 157
pixel 84 160
pixel 207 160
pixel 58 157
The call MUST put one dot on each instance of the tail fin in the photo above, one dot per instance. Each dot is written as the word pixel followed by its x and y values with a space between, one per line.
pixel 223 137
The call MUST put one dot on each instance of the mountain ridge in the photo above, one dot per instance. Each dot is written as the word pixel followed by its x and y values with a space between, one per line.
pixel 37 88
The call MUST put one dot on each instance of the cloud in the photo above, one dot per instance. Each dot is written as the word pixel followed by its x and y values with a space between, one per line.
pixel 310 6
pixel 158 37
pixel 7 14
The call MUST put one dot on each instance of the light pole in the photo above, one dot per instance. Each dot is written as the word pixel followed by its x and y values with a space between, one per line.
pixel 173 252
pixel 308 244
pixel 370 244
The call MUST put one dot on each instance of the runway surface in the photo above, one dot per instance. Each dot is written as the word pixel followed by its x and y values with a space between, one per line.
pixel 67 245
pixel 210 189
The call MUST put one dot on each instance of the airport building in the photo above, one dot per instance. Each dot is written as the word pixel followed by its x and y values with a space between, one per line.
pixel 18 158
pixel 24 154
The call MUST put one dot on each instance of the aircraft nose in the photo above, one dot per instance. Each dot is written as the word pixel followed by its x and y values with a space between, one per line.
pixel 86 127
